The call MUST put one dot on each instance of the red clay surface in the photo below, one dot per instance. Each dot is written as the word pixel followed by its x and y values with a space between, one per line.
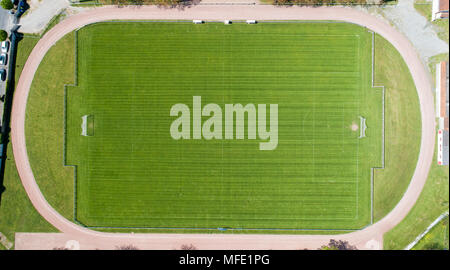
pixel 368 238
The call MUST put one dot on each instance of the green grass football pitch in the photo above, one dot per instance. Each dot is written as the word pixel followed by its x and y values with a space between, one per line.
pixel 131 173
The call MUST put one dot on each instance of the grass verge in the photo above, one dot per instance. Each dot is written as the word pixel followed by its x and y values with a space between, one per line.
pixel 54 21
pixel 17 214
pixel 436 238
pixel 433 200
pixel 45 119
pixel 403 127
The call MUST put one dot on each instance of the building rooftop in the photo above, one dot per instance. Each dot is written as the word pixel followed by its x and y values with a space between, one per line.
pixel 443 5
pixel 445 152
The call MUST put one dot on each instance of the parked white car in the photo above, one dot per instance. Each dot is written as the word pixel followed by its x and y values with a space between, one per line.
pixel 3 59
pixel 5 46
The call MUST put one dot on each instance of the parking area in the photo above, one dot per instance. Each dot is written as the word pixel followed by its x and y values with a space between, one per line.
pixel 4 62
pixel 6 22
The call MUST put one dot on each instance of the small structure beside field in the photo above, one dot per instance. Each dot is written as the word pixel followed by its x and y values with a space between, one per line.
pixel 442 112
pixel 439 9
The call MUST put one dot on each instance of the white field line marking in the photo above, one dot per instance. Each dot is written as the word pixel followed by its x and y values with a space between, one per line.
pixel 357 141
pixel 314 134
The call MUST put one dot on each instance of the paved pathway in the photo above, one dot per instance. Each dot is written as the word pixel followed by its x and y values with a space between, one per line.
pixel 369 238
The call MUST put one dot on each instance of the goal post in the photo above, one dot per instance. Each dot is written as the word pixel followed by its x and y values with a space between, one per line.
pixel 87 125
pixel 363 127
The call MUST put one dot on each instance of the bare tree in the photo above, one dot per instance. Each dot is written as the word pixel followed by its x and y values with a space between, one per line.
pixel 188 247
pixel 127 247
pixel 338 245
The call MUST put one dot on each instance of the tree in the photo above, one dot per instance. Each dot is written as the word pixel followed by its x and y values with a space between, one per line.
pixel 7 4
pixel 3 35
pixel 60 248
pixel 338 245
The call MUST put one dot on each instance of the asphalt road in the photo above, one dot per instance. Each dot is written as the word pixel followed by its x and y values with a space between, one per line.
pixel 5 20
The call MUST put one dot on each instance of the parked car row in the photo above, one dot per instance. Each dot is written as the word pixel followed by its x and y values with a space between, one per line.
pixel 4 59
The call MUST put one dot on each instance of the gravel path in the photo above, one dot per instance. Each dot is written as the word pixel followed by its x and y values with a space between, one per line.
pixel 368 238
pixel 6 20
pixel 416 28
pixel 40 14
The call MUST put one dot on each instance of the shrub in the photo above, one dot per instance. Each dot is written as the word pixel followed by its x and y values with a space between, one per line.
pixel 7 4
pixel 433 246
pixel 3 35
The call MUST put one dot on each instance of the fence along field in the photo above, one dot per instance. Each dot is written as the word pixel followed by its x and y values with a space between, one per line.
pixel 132 173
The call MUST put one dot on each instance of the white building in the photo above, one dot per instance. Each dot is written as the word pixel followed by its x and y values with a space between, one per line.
pixel 442 112
pixel 439 9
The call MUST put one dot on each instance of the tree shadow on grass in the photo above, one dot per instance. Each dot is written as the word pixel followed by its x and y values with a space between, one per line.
pixel 10 86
